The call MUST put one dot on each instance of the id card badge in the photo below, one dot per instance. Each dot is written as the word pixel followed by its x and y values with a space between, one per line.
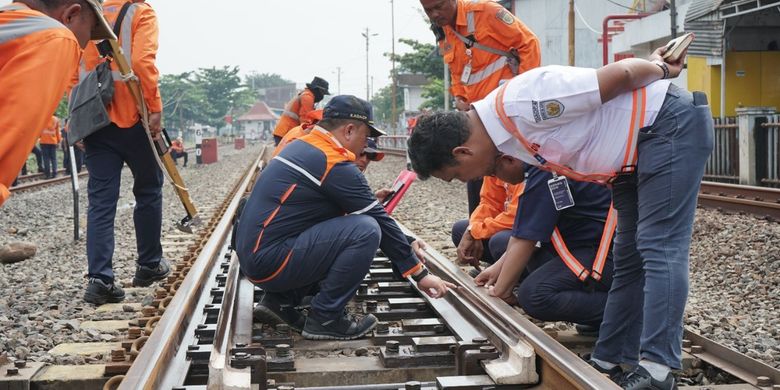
pixel 464 78
pixel 561 194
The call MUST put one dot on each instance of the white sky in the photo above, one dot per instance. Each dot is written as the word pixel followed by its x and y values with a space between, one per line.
pixel 297 39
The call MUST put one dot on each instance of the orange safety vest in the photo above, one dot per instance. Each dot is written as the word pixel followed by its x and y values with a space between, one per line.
pixel 138 39
pixel 487 45
pixel 295 112
pixel 639 102
pixel 37 57
pixel 497 208
pixel 51 134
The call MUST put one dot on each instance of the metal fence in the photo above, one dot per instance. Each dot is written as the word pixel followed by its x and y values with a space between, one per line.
pixel 396 143
pixel 723 165
pixel 768 152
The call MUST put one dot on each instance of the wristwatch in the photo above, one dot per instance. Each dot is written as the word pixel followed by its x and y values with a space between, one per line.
pixel 422 274
pixel 664 67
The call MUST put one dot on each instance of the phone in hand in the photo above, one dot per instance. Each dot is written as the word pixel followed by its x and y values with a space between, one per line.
pixel 676 47
pixel 393 192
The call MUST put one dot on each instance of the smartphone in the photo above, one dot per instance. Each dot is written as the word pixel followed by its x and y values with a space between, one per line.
pixel 676 47
pixel 393 192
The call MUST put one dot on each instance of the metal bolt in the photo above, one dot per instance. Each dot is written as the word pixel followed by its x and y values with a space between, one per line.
pixel 161 293
pixel 412 385
pixel 392 345
pixel 487 349
pixel 479 340
pixel 686 343
pixel 148 311
pixel 117 355
pixel 12 371
pixel 382 328
pixel 439 328
pixel 282 350
pixel 284 328
pixel 133 333
pixel 697 349
pixel 241 355
pixel 776 387
pixel 240 345
pixel 20 363
pixel 763 381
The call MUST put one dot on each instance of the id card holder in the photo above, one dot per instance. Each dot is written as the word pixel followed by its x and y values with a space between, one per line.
pixel 464 78
pixel 561 194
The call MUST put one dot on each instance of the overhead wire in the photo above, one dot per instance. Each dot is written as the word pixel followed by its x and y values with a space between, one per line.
pixel 585 22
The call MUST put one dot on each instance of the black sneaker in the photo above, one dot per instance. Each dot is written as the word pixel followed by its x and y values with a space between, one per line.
pixel 99 292
pixel 640 379
pixel 345 327
pixel 615 374
pixel 145 276
pixel 270 310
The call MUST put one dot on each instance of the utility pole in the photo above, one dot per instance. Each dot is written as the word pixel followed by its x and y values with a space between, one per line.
pixel 392 28
pixel 338 78
pixel 367 35
pixel 446 87
pixel 673 14
pixel 571 32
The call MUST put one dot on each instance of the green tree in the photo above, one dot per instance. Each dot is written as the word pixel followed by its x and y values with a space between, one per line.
pixel 424 58
pixel 183 100
pixel 265 80
pixel 224 93
pixel 383 103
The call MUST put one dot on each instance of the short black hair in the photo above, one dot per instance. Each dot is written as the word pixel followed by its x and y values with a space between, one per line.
pixel 53 5
pixel 331 124
pixel 434 137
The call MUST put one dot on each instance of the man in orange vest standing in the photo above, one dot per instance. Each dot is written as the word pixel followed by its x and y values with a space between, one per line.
pixel 40 44
pixel 125 141
pixel 50 139
pixel 296 109
pixel 484 45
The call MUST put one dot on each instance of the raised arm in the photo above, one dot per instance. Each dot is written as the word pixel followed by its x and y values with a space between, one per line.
pixel 632 73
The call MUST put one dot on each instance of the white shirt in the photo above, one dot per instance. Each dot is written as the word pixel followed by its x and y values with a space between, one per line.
pixel 559 108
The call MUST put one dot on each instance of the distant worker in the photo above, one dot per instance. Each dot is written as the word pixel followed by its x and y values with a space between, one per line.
pixel 296 109
pixel 40 45
pixel 312 117
pixel 50 140
pixel 484 236
pixel 177 150
pixel 125 141
pixel 312 225
pixel 484 45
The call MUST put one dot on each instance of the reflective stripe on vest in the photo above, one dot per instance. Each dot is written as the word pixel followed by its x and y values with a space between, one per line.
pixel 639 101
pixel 638 106
pixel 126 32
pixel 24 26
pixel 487 71
pixel 291 110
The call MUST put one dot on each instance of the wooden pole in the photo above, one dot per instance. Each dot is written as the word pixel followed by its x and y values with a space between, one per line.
pixel 571 32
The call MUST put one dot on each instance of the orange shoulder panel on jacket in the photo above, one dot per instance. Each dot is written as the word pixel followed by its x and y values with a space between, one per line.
pixel 294 133
pixel 334 152
pixel 35 68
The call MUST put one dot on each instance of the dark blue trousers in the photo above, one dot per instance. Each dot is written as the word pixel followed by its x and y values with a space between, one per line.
pixel 494 247
pixel 551 292
pixel 36 150
pixel 334 255
pixel 107 150
pixel 49 159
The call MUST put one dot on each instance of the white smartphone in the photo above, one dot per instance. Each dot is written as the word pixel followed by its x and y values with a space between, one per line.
pixel 676 47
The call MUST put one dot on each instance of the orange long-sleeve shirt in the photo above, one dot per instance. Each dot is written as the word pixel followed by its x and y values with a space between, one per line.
pixel 51 134
pixel 295 112
pixel 35 69
pixel 497 208
pixel 494 27
pixel 138 39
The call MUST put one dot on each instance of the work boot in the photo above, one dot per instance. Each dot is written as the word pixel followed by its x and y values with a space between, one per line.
pixel 99 292
pixel 615 374
pixel 587 330
pixel 271 310
pixel 640 379
pixel 145 276
pixel 345 327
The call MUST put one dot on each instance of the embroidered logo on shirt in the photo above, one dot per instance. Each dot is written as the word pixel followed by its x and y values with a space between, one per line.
pixel 547 109
pixel 505 17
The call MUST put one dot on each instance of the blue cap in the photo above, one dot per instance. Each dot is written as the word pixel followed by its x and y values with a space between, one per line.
pixel 372 150
pixel 351 107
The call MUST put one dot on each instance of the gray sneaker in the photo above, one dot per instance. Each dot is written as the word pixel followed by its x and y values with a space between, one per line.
pixel 145 276
pixel 345 327
pixel 640 379
pixel 99 292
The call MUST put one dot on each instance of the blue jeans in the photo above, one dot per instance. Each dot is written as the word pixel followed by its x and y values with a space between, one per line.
pixel 551 291
pixel 49 159
pixel 494 247
pixel 107 151
pixel 656 207
pixel 333 256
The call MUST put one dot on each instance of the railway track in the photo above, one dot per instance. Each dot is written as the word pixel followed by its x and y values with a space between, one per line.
pixel 199 333
pixel 761 201
pixel 38 184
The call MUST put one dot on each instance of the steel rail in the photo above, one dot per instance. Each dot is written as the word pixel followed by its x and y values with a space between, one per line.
pixel 751 199
pixel 150 368
pixel 41 183
pixel 511 327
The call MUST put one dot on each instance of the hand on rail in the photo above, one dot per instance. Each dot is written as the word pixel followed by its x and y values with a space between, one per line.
pixel 434 286
pixel 507 297
pixel 418 246
pixel 469 250
pixel 489 276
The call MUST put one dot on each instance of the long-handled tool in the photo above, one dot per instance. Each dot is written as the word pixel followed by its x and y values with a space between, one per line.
pixel 74 182
pixel 160 143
